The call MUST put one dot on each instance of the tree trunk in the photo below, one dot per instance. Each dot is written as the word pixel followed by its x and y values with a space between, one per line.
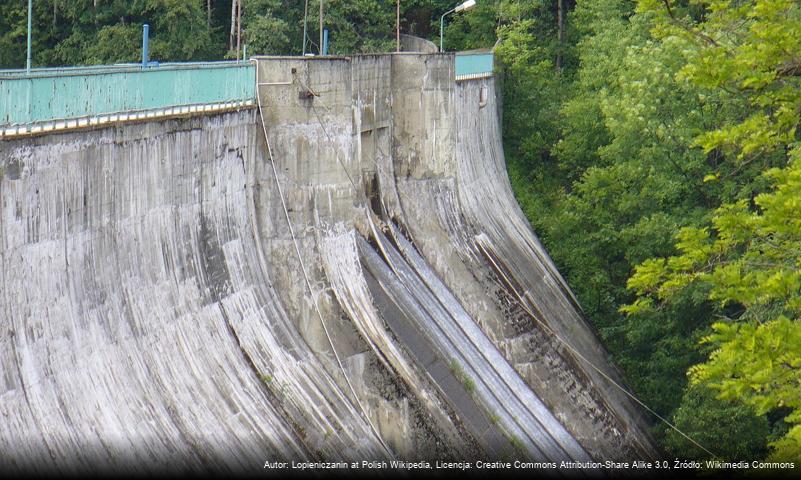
pixel 208 14
pixel 560 20
pixel 233 25
pixel 238 28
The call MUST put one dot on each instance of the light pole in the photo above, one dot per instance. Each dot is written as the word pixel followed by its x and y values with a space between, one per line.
pixel 28 61
pixel 463 7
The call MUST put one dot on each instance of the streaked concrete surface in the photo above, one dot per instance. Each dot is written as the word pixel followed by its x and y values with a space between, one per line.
pixel 141 327
pixel 454 202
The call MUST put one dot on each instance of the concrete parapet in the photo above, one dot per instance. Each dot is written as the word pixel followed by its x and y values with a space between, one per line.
pixel 410 43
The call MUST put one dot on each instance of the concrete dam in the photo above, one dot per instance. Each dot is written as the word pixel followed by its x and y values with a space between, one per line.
pixel 326 265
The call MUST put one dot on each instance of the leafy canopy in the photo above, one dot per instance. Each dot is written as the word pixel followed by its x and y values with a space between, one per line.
pixel 748 258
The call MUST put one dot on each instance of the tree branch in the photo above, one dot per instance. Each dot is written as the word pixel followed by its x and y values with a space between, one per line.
pixel 669 11
pixel 791 68
pixel 706 38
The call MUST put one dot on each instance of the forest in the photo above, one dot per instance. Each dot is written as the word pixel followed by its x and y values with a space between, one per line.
pixel 652 144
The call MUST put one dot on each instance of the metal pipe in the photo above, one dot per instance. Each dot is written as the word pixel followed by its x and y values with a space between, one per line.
pixel 145 42
pixel 30 16
pixel 325 41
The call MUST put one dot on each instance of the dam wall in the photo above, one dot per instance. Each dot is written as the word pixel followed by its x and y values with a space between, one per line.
pixel 425 156
pixel 328 123
pixel 338 272
pixel 141 328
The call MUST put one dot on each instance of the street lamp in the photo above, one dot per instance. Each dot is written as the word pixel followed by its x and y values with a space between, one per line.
pixel 463 7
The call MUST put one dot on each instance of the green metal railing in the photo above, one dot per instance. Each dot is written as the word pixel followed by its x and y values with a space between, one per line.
pixel 65 93
pixel 472 65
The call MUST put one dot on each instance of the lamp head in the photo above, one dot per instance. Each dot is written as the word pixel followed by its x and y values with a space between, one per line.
pixel 465 6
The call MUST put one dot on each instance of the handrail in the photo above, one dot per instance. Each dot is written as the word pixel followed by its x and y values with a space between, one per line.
pixel 118 67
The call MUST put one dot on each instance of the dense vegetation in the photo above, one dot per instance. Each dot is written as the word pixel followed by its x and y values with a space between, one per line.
pixel 660 173
pixel 73 32
pixel 653 145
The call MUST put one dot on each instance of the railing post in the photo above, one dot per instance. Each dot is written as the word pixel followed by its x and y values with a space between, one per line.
pixel 145 40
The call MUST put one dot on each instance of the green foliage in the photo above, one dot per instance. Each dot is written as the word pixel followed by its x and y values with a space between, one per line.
pixel 709 420
pixel 458 372
pixel 650 155
pixel 112 44
pixel 532 92
pixel 745 258
pixel 109 31
pixel 748 259
pixel 88 32
pixel 12 35
pixel 751 48
pixel 179 27
pixel 475 29
pixel 265 31
pixel 360 26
